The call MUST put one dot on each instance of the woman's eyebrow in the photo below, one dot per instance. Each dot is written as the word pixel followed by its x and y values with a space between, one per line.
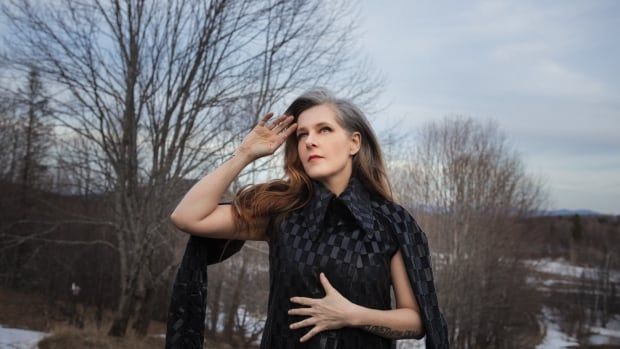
pixel 316 125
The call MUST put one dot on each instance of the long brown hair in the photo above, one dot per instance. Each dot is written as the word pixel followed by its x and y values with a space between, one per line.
pixel 280 196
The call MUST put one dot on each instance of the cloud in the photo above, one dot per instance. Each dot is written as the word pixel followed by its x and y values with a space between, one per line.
pixel 558 79
pixel 517 51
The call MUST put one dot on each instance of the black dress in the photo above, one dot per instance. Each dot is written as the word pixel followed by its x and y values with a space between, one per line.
pixel 342 237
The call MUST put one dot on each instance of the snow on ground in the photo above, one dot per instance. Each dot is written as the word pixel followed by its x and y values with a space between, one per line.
pixel 411 343
pixel 554 337
pixel 609 335
pixel 564 268
pixel 605 331
pixel 558 275
pixel 11 338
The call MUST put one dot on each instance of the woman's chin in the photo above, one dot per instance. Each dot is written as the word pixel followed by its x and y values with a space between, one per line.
pixel 314 174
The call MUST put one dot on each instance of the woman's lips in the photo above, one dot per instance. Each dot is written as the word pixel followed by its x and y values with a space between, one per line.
pixel 315 158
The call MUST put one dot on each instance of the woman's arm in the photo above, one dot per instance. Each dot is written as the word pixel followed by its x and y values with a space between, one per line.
pixel 402 322
pixel 395 324
pixel 335 311
pixel 203 198
pixel 199 211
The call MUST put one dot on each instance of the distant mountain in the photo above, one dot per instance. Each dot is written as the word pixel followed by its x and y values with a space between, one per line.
pixel 557 212
pixel 569 212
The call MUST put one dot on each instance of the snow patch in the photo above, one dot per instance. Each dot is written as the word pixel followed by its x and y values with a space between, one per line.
pixel 12 338
pixel 564 268
pixel 554 337
pixel 605 332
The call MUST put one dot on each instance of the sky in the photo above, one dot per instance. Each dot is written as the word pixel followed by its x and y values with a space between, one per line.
pixel 547 71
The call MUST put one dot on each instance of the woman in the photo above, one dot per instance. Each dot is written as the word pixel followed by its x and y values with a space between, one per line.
pixel 337 240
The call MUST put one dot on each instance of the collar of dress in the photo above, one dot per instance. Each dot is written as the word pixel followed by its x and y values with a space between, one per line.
pixel 355 197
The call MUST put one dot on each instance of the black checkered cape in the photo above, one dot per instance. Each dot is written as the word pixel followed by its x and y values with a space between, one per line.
pixel 186 315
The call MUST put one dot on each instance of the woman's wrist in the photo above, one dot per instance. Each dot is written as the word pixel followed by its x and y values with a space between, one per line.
pixel 355 315
pixel 242 155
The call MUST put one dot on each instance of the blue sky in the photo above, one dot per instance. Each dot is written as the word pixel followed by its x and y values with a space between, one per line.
pixel 547 71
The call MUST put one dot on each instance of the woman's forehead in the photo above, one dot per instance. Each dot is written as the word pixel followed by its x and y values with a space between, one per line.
pixel 316 116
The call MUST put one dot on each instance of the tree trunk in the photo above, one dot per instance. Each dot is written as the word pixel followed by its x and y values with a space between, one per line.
pixel 215 306
pixel 144 308
pixel 123 312
pixel 126 305
pixel 234 305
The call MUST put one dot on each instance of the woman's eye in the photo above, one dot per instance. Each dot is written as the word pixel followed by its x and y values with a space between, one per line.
pixel 322 128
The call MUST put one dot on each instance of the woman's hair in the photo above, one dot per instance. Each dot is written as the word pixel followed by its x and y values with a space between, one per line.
pixel 280 196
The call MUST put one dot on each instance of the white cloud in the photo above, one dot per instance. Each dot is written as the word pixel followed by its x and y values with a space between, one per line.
pixel 519 51
pixel 557 79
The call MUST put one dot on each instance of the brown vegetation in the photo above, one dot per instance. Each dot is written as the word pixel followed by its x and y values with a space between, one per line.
pixel 25 310
pixel 69 337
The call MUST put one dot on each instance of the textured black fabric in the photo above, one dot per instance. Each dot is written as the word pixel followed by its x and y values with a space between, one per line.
pixel 383 224
pixel 188 303
pixel 416 255
pixel 326 236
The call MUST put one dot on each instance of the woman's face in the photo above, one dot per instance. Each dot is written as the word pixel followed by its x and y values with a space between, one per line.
pixel 319 134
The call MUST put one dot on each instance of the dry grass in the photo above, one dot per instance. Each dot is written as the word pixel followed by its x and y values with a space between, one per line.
pixel 23 310
pixel 68 337
pixel 30 311
pixel 65 337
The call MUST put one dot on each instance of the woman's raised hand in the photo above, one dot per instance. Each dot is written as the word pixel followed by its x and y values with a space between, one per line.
pixel 266 139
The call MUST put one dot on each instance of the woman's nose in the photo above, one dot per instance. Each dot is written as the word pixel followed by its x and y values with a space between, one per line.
pixel 309 140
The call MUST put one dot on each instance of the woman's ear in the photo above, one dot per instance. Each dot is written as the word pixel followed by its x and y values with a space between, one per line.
pixel 356 143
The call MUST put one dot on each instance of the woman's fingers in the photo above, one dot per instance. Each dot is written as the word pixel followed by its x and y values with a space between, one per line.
pixel 284 125
pixel 264 119
pixel 278 124
pixel 273 123
pixel 311 333
pixel 305 300
pixel 304 323
pixel 290 130
pixel 300 311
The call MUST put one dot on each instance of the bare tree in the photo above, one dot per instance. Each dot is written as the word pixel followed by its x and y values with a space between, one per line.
pixel 25 133
pixel 37 133
pixel 160 91
pixel 469 190
pixel 245 279
pixel 27 137
pixel 9 137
